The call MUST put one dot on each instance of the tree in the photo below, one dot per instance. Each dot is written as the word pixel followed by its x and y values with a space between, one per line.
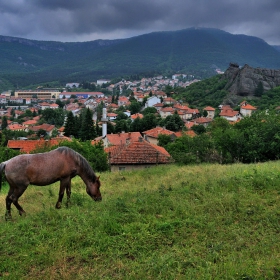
pixel 55 132
pixel 134 107
pixel 121 116
pixel 136 125
pixel 28 113
pixel 4 123
pixel 53 116
pixel 199 129
pixel 173 122
pixel 70 128
pixel 259 90
pixel 149 121
pixel 149 110
pixel 164 139
pixel 59 103
pixel 41 133
pixel 121 126
pixel 88 131
pixel 110 128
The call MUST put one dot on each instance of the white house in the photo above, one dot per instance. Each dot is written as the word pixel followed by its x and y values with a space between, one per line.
pixel 112 116
pixel 246 109
pixel 151 101
pixel 102 81
pixel 71 85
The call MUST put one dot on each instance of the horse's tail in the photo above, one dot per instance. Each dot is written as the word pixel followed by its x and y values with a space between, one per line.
pixel 2 167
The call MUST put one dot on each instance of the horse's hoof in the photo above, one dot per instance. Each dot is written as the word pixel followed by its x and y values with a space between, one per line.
pixel 8 217
pixel 22 213
pixel 58 205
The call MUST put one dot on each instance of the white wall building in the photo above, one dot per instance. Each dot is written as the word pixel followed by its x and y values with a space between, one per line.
pixel 151 101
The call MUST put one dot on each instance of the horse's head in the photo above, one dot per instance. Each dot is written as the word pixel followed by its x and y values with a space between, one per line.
pixel 93 190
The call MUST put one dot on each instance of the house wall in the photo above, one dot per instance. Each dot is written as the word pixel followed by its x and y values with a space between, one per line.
pixel 245 112
pixel 151 140
pixel 152 101
pixel 119 168
pixel 210 114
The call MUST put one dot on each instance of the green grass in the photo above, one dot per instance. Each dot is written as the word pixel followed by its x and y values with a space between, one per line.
pixel 171 222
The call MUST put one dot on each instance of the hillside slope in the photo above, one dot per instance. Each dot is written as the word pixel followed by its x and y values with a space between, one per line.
pixel 168 222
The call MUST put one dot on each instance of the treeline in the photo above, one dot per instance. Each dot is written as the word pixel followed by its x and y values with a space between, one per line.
pixel 268 100
pixel 209 92
pixel 253 139
pixel 81 126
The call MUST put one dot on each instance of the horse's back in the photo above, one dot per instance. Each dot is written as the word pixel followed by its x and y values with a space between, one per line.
pixel 38 169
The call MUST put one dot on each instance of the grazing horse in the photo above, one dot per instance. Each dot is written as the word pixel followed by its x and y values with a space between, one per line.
pixel 61 164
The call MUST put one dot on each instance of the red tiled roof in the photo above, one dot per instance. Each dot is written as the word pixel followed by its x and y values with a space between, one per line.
pixel 138 153
pixel 154 132
pixel 135 116
pixel 180 107
pixel 15 127
pixel 228 112
pixel 113 105
pixel 26 146
pixel 189 124
pixel 37 118
pixel 167 109
pixel 208 108
pixel 29 122
pixel 123 98
pixel 121 138
pixel 190 133
pixel 112 115
pixel 248 107
pixel 169 99
pixel 202 120
pixel 45 126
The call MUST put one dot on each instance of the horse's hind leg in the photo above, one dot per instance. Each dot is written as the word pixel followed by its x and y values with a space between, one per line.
pixel 9 201
pixel 15 196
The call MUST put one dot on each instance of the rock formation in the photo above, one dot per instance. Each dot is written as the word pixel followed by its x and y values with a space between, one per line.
pixel 244 81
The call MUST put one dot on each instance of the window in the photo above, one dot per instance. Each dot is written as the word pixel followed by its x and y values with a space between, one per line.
pixel 121 168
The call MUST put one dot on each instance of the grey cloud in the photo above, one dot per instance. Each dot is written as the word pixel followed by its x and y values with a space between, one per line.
pixel 88 19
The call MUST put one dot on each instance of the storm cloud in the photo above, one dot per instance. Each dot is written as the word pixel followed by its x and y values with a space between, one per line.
pixel 86 20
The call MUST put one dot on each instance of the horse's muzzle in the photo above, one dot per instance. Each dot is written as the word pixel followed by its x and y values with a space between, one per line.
pixel 99 198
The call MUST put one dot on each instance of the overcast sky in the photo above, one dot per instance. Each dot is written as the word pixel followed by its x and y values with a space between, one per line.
pixel 87 20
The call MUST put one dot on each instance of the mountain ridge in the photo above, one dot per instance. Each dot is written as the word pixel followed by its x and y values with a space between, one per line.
pixel 193 50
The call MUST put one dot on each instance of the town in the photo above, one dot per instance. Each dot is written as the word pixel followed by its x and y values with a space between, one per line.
pixel 22 112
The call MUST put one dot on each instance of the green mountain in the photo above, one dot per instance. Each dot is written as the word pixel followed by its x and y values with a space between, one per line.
pixel 196 51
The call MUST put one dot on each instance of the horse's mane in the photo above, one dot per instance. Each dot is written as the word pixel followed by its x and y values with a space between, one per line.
pixel 81 161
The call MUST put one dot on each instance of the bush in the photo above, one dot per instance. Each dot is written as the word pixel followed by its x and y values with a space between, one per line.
pixel 94 154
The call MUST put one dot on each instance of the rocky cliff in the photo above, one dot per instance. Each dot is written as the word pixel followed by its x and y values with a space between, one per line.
pixel 245 81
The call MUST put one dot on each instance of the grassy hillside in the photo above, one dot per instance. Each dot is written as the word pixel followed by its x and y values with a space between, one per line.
pixel 190 222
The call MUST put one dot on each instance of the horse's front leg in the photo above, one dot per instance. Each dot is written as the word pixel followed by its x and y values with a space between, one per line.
pixel 63 184
pixel 68 192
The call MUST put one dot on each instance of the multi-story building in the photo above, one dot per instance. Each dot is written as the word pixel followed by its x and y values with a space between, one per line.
pixel 38 93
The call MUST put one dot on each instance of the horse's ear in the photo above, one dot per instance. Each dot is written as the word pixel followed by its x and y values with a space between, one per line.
pixel 98 177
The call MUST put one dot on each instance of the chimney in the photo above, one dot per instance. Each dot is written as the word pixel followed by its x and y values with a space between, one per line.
pixel 104 121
